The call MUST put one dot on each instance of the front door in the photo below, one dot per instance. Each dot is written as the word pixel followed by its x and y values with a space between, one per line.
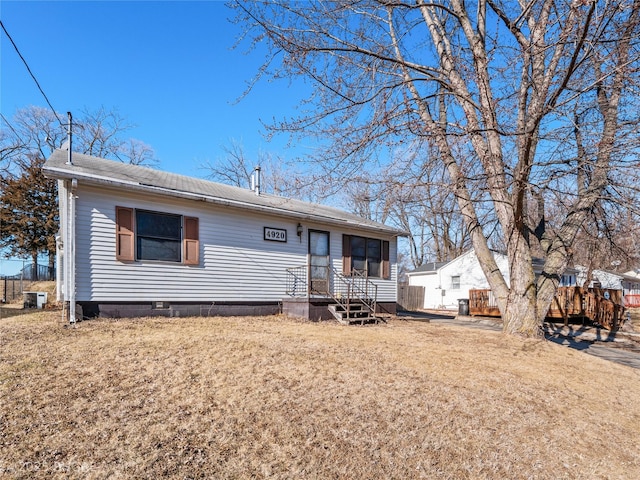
pixel 318 262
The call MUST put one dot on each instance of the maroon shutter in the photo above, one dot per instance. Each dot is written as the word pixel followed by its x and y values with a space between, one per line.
pixel 124 234
pixel 191 242
pixel 346 254
pixel 386 265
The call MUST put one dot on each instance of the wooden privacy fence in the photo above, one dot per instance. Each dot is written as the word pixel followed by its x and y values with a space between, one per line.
pixel 410 297
pixel 602 306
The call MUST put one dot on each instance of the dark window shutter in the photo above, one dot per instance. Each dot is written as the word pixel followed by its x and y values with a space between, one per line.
pixel 346 254
pixel 124 234
pixel 191 242
pixel 386 265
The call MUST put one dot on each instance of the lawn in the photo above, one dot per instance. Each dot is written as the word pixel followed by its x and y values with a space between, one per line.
pixel 278 398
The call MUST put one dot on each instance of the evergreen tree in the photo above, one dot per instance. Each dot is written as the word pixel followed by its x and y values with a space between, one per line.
pixel 29 213
pixel 28 200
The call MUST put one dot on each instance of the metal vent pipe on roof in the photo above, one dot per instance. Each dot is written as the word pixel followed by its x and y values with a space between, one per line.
pixel 69 134
pixel 255 180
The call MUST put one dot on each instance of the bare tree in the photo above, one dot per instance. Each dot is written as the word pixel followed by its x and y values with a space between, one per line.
pixel 416 200
pixel 278 177
pixel 37 130
pixel 28 201
pixel 495 85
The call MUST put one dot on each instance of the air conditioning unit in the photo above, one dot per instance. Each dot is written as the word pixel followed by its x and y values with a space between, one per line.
pixel 34 299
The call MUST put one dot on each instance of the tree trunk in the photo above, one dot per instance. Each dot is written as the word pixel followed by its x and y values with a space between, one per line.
pixel 520 316
pixel 34 267
pixel 52 263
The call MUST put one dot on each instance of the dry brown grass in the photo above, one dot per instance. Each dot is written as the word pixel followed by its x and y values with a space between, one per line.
pixel 634 320
pixel 277 398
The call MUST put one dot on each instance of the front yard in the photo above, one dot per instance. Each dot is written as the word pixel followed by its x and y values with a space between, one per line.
pixel 278 398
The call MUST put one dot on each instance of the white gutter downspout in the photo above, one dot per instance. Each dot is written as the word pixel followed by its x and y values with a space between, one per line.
pixel 58 266
pixel 70 253
pixel 70 235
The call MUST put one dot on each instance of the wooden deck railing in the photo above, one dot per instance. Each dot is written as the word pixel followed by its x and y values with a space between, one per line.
pixel 632 301
pixel 602 306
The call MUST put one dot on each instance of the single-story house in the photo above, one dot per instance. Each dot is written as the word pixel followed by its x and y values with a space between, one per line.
pixel 447 282
pixel 628 282
pixel 139 241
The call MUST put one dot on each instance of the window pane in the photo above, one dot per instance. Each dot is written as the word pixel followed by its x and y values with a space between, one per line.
pixel 358 247
pixel 318 243
pixel 374 257
pixel 158 236
pixel 373 249
pixel 158 249
pixel 358 264
pixel 455 283
pixel 158 225
pixel 359 253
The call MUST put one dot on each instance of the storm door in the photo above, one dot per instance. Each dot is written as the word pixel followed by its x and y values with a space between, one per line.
pixel 318 262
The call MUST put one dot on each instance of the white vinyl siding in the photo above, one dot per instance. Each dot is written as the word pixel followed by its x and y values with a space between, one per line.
pixel 236 263
pixel 442 291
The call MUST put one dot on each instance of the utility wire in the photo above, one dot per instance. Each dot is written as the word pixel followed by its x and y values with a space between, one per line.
pixel 10 126
pixel 30 72
pixel 18 136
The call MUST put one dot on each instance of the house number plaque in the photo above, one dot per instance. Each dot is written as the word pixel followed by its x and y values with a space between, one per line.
pixel 275 234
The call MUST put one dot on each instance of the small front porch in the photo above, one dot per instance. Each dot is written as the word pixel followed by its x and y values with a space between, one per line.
pixel 322 293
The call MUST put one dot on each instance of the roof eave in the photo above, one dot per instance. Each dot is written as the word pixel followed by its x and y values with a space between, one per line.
pixel 66 174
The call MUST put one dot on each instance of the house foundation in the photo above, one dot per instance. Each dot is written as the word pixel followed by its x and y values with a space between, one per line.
pixel 178 309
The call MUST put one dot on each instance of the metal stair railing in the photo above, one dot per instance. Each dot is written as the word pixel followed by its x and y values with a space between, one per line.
pixel 297 285
pixel 357 287
pixel 343 289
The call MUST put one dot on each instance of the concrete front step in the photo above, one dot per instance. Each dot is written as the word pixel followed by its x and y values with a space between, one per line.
pixel 360 320
pixel 357 313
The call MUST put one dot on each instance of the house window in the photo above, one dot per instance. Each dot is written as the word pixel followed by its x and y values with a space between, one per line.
pixel 158 236
pixel 368 256
pixel 147 235
pixel 455 283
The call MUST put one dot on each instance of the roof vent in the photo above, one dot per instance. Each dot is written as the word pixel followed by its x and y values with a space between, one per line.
pixel 69 137
pixel 255 180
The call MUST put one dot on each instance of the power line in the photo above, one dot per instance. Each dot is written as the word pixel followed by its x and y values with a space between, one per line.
pixel 10 126
pixel 30 72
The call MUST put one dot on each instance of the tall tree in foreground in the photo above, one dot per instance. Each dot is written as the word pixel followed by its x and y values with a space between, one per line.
pixel 524 102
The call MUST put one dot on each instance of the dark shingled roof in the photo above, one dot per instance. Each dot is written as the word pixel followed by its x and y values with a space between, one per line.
pixel 429 267
pixel 94 170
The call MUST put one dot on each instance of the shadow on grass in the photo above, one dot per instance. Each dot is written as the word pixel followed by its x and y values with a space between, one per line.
pixel 408 315
pixel 570 342
pixel 16 310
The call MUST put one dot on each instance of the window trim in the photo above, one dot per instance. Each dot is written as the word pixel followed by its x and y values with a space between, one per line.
pixel 155 236
pixel 126 237
pixel 347 257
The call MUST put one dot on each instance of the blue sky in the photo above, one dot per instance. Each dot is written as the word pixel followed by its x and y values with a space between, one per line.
pixel 166 66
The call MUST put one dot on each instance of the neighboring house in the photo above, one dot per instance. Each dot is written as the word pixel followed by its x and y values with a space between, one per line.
pixel 632 294
pixel 447 282
pixel 628 282
pixel 139 241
